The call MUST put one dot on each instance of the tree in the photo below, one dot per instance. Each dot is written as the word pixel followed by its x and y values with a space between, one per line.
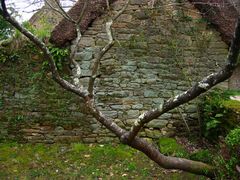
pixel 87 93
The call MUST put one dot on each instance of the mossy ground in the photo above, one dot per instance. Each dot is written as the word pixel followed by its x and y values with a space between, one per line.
pixel 169 146
pixel 79 161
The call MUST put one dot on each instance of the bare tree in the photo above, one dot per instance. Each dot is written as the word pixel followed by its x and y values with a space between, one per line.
pixel 87 94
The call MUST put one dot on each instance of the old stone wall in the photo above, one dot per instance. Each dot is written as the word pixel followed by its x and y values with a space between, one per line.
pixel 160 50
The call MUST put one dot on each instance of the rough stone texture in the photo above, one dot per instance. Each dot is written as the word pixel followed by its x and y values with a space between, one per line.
pixel 159 53
pixel 65 31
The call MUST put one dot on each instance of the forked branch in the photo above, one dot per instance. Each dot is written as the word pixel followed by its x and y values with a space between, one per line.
pixel 105 49
pixel 76 71
pixel 130 137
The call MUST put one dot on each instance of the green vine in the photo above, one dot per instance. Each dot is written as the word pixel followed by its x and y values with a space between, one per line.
pixel 59 56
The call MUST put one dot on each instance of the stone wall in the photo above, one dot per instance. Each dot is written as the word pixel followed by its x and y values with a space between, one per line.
pixel 160 51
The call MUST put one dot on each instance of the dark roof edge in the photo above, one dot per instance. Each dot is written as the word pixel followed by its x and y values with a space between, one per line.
pixel 221 14
pixel 65 31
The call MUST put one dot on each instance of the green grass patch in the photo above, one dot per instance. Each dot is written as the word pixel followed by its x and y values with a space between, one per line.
pixel 203 156
pixel 77 161
pixel 169 146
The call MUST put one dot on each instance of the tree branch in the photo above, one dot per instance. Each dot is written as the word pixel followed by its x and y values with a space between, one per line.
pixel 131 139
pixel 105 49
pixel 108 6
pixel 199 88
pixel 60 11
pixel 65 84
pixel 151 151
pixel 76 66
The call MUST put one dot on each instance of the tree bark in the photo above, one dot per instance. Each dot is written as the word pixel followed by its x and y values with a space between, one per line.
pixel 130 137
pixel 151 151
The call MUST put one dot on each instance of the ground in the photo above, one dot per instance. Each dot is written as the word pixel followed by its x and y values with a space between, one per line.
pixel 79 161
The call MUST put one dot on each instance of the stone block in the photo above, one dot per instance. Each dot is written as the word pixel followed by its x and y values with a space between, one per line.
pixel 150 93
pixel 137 106
pixel 120 107
pixel 67 139
pixel 87 41
pixel 89 140
pixel 84 56
pixel 157 123
pixel 95 127
pixel 133 113
pixel 191 108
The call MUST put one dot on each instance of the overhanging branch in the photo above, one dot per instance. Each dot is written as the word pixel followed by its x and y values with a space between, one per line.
pixel 42 46
pixel 135 142
pixel 199 88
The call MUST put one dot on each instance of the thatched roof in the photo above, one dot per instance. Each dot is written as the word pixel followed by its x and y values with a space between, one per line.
pixel 65 32
pixel 219 13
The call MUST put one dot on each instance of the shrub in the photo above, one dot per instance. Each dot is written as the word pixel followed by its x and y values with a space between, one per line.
pixel 229 158
pixel 233 138
pixel 203 156
pixel 215 114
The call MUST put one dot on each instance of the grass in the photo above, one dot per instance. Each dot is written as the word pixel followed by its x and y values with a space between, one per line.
pixel 169 146
pixel 79 161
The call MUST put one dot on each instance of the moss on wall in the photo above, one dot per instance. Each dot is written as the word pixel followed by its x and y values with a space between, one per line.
pixel 159 53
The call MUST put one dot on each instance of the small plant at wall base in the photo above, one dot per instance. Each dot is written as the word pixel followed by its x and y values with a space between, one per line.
pixel 233 140
pixel 215 115
pixel 229 159
pixel 169 146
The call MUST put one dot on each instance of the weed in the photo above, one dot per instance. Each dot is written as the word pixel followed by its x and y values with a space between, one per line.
pixel 215 113
pixel 132 166
pixel 233 138
pixel 169 146
pixel 202 155
pixel 78 147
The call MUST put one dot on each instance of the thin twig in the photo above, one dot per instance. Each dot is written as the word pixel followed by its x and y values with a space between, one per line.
pixel 184 119
pixel 42 46
pixel 108 6
pixel 60 11
pixel 105 49
pixel 77 68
